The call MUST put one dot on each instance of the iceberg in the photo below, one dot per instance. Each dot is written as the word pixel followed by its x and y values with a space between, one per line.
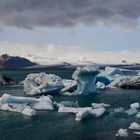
pixel 28 104
pixel 42 83
pixel 134 126
pixel 85 78
pixel 122 133
pixel 126 82
pixel 111 73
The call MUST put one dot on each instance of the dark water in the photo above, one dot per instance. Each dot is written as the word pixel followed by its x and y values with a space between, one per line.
pixel 51 125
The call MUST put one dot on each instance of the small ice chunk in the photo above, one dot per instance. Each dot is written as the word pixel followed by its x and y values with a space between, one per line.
pixel 135 105
pixel 138 115
pixel 132 111
pixel 67 104
pixel 119 109
pixel 98 105
pixel 69 109
pixel 100 85
pixel 97 112
pixel 72 109
pixel 135 126
pixel 122 133
pixel 81 114
pixel 137 133
pixel 29 111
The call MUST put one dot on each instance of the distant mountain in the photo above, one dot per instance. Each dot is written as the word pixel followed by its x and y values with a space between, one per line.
pixel 14 62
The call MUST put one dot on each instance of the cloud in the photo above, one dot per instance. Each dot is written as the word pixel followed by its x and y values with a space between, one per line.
pixel 67 13
pixel 51 53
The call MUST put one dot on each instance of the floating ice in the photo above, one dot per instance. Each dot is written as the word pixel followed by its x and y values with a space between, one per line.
pixel 72 109
pixel 100 85
pixel 67 104
pixel 119 109
pixel 138 115
pixel 18 104
pixel 14 107
pixel 97 112
pixel 134 126
pixel 29 111
pixel 132 111
pixel 85 78
pixel 137 133
pixel 135 105
pixel 99 105
pixel 70 86
pixel 126 82
pixel 42 84
pixel 122 133
pixel 81 114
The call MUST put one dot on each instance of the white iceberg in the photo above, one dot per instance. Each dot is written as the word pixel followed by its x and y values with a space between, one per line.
pixel 134 126
pixel 17 104
pixel 85 78
pixel 42 84
pixel 135 105
pixel 122 133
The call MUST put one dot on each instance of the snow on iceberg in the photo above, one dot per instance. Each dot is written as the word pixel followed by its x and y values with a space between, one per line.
pixel 85 78
pixel 134 126
pixel 42 84
pixel 122 133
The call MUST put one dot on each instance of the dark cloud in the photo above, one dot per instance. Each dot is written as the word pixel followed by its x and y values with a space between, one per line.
pixel 65 13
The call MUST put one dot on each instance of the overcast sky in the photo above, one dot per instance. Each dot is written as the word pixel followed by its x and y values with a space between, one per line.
pixel 68 30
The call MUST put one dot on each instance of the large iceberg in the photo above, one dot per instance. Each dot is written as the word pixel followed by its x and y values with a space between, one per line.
pixel 25 105
pixel 85 78
pixel 126 82
pixel 42 84
pixel 110 74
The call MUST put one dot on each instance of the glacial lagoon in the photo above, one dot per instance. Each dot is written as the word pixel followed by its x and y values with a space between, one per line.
pixel 51 125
